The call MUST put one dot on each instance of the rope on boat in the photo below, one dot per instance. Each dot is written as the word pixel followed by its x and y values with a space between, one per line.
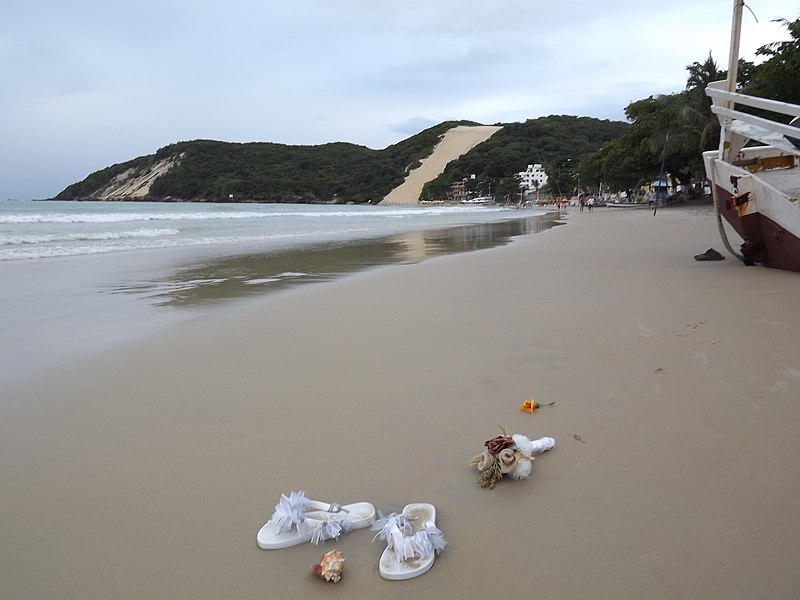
pixel 721 227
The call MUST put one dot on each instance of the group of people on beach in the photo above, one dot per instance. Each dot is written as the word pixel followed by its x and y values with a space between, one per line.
pixel 587 201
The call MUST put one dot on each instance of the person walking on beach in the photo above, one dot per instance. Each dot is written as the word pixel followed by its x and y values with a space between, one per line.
pixel 590 203
pixel 583 202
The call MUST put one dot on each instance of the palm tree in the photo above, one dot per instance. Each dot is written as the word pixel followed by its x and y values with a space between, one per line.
pixel 698 122
pixel 701 74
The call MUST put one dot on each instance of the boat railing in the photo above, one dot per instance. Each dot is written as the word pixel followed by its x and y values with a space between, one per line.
pixel 772 133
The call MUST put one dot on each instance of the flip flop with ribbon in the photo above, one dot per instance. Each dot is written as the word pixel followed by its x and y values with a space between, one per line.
pixel 297 519
pixel 412 541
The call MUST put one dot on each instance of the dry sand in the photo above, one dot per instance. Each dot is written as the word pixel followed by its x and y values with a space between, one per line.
pixel 147 473
pixel 457 141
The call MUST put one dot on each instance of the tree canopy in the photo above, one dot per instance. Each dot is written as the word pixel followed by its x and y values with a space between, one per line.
pixel 683 122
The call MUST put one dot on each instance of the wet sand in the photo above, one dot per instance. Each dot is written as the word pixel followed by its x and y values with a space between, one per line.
pixel 147 472
pixel 65 309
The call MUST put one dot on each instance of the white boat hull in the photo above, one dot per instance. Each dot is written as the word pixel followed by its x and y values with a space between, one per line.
pixel 758 196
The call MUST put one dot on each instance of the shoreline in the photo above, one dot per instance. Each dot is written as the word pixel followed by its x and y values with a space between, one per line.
pixel 65 309
pixel 148 472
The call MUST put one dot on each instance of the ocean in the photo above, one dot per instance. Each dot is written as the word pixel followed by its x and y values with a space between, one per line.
pixel 81 276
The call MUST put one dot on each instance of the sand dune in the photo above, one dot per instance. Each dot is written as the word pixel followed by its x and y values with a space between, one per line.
pixel 131 185
pixel 457 141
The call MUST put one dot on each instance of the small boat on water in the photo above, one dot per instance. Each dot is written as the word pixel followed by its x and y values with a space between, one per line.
pixel 628 205
pixel 479 200
pixel 756 188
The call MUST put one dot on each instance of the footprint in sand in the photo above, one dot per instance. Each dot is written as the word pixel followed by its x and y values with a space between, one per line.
pixel 779 386
pixel 791 373
pixel 642 329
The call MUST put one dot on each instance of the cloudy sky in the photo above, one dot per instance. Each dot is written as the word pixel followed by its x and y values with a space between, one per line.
pixel 90 83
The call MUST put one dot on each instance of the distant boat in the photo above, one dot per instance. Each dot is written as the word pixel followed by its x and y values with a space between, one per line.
pixel 627 205
pixel 479 200
pixel 756 189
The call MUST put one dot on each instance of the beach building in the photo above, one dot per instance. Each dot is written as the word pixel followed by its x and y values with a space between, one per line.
pixel 458 190
pixel 531 181
pixel 533 178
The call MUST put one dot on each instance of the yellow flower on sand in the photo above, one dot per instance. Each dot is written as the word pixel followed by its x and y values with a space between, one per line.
pixel 531 405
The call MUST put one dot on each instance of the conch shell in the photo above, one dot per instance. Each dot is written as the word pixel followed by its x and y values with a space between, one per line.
pixel 330 567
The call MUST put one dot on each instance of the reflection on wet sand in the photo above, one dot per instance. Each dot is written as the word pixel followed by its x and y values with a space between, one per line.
pixel 242 275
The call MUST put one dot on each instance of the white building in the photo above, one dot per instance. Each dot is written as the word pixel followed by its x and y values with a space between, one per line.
pixel 533 178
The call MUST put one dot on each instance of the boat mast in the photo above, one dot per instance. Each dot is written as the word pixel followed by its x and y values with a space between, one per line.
pixel 733 57
pixel 733 74
pixel 662 178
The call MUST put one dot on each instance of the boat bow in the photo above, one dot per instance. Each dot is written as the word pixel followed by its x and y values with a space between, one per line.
pixel 756 187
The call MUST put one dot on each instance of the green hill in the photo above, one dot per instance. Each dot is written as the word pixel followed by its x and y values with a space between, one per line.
pixel 557 142
pixel 337 172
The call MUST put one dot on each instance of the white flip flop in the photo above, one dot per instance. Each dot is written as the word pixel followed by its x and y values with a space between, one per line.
pixel 412 542
pixel 297 519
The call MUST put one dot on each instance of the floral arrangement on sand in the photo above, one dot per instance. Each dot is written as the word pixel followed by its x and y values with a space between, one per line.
pixel 510 455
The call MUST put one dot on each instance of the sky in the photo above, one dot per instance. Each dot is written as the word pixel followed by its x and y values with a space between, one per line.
pixel 89 83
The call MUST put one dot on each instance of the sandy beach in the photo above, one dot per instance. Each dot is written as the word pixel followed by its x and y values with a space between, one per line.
pixel 146 472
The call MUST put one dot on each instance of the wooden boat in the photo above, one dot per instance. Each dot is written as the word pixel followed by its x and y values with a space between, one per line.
pixel 479 200
pixel 756 188
pixel 627 205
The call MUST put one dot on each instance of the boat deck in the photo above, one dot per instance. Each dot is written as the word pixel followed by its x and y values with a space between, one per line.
pixel 762 134
pixel 786 180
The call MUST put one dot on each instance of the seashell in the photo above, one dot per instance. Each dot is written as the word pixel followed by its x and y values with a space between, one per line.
pixel 330 567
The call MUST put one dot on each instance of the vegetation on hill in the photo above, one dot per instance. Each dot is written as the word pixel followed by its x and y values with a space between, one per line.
pixel 342 172
pixel 267 172
pixel 558 143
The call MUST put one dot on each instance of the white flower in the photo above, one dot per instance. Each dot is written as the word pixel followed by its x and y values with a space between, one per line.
pixel 522 470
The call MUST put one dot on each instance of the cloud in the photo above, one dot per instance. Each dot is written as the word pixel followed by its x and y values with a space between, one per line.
pixel 412 126
pixel 90 83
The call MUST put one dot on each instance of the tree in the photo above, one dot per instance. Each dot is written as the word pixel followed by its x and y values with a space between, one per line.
pixel 684 117
pixel 700 75
pixel 778 77
pixel 700 125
